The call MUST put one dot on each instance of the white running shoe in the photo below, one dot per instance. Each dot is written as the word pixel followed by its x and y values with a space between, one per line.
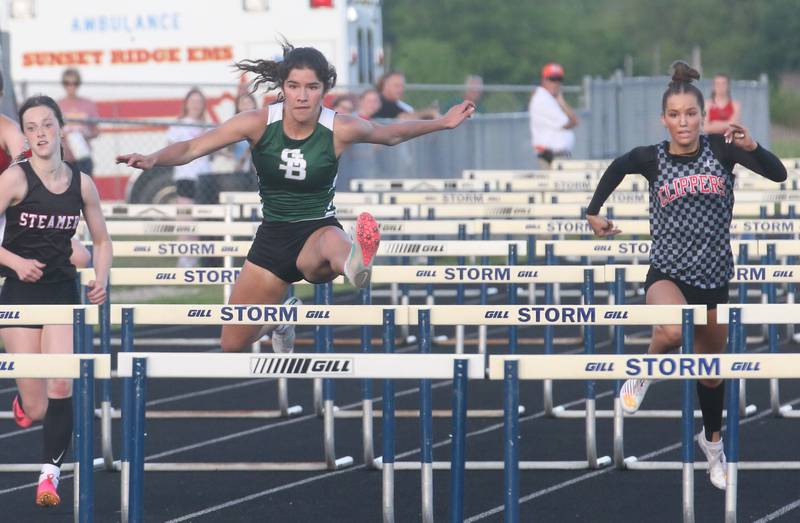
pixel 283 335
pixel 715 455
pixel 632 394
pixel 366 239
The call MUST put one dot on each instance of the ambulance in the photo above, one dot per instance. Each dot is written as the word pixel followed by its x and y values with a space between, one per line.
pixel 137 60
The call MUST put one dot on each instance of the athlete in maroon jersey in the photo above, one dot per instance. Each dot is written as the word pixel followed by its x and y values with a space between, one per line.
pixel 42 199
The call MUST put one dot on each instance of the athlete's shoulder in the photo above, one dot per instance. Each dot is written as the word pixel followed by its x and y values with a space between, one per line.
pixel 14 181
pixel 15 171
pixel 643 154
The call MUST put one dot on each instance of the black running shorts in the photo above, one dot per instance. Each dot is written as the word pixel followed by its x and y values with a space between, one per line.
pixel 694 295
pixel 16 292
pixel 278 244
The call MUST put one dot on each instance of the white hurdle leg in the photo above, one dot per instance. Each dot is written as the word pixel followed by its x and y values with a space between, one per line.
pixel 731 493
pixel 619 427
pixel 367 438
pixel 688 492
pixel 388 492
pixel 105 435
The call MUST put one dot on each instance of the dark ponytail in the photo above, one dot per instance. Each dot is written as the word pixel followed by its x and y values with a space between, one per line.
pixel 274 73
pixel 682 77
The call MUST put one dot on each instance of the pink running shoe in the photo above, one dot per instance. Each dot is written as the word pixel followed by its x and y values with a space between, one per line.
pixel 20 417
pixel 46 493
pixel 366 239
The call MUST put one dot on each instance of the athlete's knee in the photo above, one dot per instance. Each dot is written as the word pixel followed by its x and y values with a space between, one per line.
pixel 671 335
pixel 711 384
pixel 231 342
pixel 35 408
pixel 57 388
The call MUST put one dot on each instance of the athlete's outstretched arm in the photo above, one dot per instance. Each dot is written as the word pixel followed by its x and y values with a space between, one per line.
pixel 242 126
pixel 351 129
pixel 628 163
pixel 100 240
pixel 749 153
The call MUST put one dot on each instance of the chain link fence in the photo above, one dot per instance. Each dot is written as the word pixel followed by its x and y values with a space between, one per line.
pixel 616 115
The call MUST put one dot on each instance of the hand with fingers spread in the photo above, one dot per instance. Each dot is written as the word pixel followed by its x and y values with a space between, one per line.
pixel 457 114
pixel 29 270
pixel 136 160
pixel 602 227
pixel 739 136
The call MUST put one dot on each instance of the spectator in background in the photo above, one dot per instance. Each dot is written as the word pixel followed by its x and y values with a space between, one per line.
pixel 187 175
pixel 473 92
pixel 344 104
pixel 392 86
pixel 722 109
pixel 240 151
pixel 551 117
pixel 369 102
pixel 78 149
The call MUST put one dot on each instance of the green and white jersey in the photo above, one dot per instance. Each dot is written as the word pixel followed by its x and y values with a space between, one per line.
pixel 296 178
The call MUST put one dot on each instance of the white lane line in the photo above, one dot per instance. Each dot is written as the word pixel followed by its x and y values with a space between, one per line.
pixel 663 450
pixel 407 453
pixel 780 512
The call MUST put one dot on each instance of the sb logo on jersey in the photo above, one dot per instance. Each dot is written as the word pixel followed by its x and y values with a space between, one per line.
pixel 293 164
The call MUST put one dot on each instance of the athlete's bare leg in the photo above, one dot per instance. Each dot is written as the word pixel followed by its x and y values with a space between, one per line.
pixel 665 337
pixel 255 285
pixel 324 254
pixel 32 391
pixel 57 339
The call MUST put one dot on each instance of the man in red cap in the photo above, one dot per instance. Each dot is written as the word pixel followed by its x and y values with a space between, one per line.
pixel 551 117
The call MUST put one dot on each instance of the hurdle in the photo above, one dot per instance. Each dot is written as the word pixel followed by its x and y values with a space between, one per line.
pixel 165 276
pixel 590 315
pixel 344 198
pixel 138 367
pixel 83 369
pixel 130 315
pixel 686 367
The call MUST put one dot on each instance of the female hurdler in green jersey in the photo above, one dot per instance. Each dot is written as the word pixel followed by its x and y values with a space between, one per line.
pixel 296 145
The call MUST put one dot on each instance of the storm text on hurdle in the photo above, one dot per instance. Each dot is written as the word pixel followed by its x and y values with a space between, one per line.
pixel 552 314
pixel 265 313
pixel 680 366
pixel 211 276
pixel 186 249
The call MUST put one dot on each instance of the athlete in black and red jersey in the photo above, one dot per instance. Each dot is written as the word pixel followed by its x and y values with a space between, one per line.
pixel 42 199
pixel 691 204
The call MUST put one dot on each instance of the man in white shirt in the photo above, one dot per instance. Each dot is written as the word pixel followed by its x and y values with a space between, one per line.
pixel 551 117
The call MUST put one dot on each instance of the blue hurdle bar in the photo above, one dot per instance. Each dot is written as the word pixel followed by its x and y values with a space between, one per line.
pixel 737 341
pixel 388 422
pixel 513 336
pixel 458 454
pixel 687 330
pixel 366 390
pixel 426 420
pixel 138 393
pixel 327 389
pixel 105 385
pixel 511 437
pixel 85 437
pixel 127 412
pixel 619 348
